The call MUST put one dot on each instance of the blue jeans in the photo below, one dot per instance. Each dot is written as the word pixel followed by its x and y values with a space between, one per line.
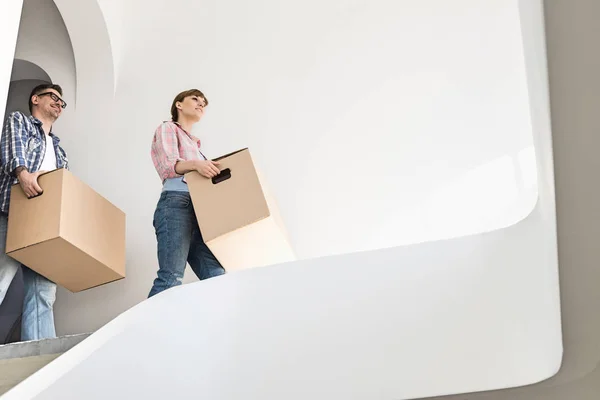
pixel 40 293
pixel 180 242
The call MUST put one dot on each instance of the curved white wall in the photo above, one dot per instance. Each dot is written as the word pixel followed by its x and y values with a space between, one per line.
pixel 433 318
pixel 436 118
pixel 10 15
pixel 22 69
pixel 405 89
pixel 43 40
pixel 18 98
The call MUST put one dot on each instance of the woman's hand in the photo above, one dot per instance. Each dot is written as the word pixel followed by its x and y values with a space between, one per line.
pixel 208 168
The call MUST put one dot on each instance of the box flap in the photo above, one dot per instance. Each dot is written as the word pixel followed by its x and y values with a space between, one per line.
pixel 260 244
pixel 230 154
pixel 273 206
pixel 230 201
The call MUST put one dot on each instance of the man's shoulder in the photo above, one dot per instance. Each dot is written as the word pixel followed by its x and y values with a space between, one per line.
pixel 18 116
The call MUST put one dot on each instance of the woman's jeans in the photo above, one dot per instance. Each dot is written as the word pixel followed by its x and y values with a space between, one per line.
pixel 180 242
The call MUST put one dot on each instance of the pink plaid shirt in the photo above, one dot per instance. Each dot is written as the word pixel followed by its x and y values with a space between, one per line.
pixel 171 144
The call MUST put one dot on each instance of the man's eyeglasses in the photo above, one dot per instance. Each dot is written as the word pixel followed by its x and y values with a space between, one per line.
pixel 54 97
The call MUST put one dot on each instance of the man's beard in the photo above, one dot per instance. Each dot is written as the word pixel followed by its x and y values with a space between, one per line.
pixel 52 114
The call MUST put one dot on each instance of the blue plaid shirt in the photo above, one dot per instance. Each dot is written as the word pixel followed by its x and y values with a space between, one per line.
pixel 23 143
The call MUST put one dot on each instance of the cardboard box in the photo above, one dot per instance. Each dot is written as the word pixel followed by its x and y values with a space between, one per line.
pixel 237 216
pixel 69 234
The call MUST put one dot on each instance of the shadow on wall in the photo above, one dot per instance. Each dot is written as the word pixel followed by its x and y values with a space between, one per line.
pixel 25 76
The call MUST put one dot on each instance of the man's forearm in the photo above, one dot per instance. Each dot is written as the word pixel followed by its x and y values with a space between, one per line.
pixel 13 144
pixel 18 170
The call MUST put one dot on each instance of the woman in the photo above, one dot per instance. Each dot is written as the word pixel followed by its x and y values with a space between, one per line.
pixel 175 151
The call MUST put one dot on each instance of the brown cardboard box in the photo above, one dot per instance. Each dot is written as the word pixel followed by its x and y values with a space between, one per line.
pixel 69 234
pixel 237 216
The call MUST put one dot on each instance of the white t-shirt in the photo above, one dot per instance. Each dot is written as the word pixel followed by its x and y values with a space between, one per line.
pixel 49 161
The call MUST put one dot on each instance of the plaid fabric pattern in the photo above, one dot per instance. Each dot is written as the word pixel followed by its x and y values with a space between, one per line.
pixel 171 144
pixel 23 143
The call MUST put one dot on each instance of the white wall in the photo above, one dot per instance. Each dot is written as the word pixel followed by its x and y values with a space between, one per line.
pixel 18 98
pixel 416 104
pixel 44 41
pixel 383 124
pixel 419 117
pixel 24 77
pixel 10 14
pixel 22 69
pixel 429 100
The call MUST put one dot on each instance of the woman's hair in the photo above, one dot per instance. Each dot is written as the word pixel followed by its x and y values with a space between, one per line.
pixel 181 96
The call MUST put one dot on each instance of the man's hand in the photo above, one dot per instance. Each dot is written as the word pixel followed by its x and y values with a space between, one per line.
pixel 29 183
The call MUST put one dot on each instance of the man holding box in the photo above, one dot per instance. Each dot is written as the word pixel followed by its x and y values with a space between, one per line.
pixel 27 148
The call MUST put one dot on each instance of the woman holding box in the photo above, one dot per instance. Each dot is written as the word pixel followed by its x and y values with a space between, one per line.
pixel 175 152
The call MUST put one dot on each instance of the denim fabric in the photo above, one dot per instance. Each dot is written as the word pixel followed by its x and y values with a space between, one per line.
pixel 40 293
pixel 179 241
pixel 38 307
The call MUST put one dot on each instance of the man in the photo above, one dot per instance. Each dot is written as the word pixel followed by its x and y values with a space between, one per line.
pixel 27 148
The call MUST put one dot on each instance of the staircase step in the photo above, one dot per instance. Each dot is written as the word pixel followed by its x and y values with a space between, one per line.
pixel 22 359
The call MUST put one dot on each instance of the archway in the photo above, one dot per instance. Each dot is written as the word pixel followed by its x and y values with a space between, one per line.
pixel 25 76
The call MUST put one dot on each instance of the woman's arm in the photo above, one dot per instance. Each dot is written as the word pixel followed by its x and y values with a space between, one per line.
pixel 168 163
